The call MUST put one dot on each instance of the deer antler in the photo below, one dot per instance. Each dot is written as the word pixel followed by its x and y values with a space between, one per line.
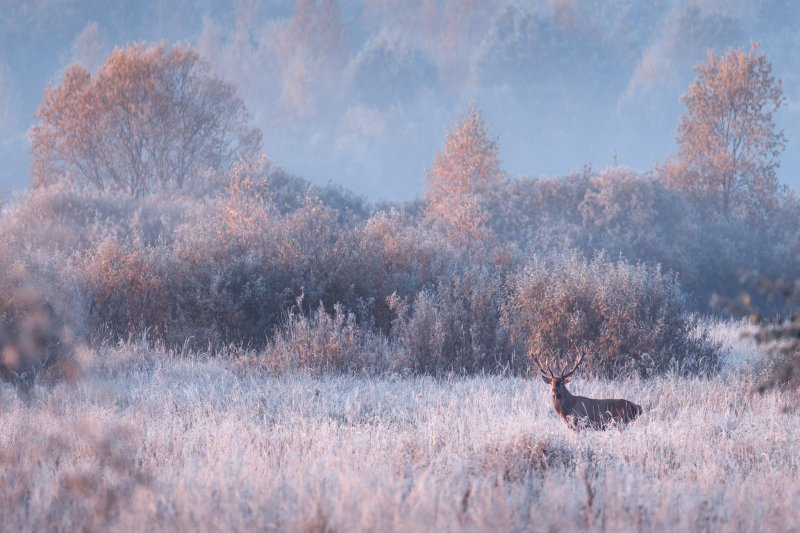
pixel 541 368
pixel 580 360
pixel 546 371
pixel 551 357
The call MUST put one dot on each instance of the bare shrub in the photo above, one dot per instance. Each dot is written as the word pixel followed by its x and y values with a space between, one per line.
pixel 454 327
pixel 232 266
pixel 615 311
pixel 398 257
pixel 321 342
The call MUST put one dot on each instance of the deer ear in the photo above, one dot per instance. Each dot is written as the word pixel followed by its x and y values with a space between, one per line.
pixel 546 379
pixel 567 379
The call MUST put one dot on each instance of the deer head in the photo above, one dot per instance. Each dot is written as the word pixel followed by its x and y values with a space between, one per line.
pixel 558 382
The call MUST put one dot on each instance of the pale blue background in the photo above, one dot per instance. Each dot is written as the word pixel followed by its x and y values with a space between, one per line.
pixel 562 83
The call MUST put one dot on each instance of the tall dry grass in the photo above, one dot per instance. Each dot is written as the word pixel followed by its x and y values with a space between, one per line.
pixel 152 439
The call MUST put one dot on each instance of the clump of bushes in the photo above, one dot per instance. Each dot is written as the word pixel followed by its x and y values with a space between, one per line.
pixel 323 342
pixel 455 326
pixel 383 290
pixel 637 216
pixel 626 318
pixel 233 266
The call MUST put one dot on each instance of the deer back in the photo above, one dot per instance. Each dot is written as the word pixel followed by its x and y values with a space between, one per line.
pixel 601 413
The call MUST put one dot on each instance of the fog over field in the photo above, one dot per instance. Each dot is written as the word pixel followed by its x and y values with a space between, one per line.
pixel 361 93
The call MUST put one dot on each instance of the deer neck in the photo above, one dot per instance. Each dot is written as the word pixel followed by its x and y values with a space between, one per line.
pixel 563 405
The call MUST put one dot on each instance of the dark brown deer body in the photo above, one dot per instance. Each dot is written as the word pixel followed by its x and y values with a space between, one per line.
pixel 579 412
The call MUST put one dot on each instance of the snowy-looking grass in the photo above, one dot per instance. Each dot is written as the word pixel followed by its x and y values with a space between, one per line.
pixel 149 441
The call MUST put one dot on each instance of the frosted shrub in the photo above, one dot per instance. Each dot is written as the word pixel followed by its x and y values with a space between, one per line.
pixel 637 216
pixel 322 342
pixel 541 213
pixel 130 289
pixel 454 327
pixel 224 269
pixel 227 277
pixel 71 219
pixel 288 193
pixel 614 311
pixel 398 257
pixel 236 264
pixel 780 369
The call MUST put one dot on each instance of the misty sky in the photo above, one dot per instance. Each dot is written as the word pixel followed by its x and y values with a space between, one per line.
pixel 361 93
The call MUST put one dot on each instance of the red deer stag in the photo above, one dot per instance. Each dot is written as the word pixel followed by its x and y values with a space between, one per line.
pixel 579 412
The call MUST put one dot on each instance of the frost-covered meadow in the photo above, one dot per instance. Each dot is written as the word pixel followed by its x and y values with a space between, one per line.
pixel 152 440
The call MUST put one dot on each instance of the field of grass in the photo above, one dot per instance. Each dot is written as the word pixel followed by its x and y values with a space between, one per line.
pixel 149 440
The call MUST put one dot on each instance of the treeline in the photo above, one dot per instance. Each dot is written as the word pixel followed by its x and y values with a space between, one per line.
pixel 480 274
pixel 314 272
pixel 722 263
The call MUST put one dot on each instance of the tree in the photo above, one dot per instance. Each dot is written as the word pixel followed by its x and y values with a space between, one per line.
pixel 463 179
pixel 151 118
pixel 728 141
